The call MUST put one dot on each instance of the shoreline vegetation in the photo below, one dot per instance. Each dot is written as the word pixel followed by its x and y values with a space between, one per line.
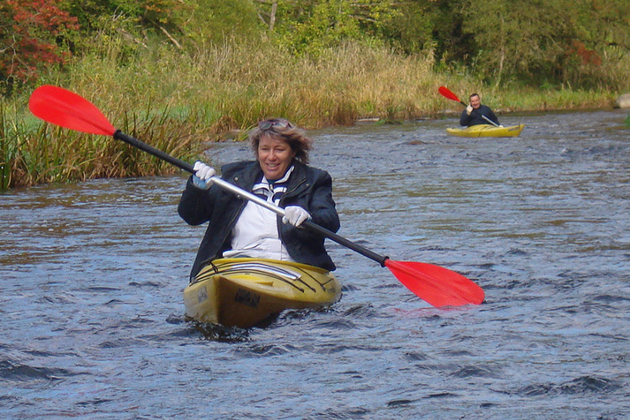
pixel 181 103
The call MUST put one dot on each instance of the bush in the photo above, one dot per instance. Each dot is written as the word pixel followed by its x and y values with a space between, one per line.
pixel 34 35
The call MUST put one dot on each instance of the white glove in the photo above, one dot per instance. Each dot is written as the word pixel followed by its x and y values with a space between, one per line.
pixel 469 109
pixel 202 174
pixel 295 215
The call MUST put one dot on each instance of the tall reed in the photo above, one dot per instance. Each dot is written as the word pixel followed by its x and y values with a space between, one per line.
pixel 180 102
pixel 35 152
pixel 233 86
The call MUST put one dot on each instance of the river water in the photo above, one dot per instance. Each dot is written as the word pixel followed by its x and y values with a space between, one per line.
pixel 91 280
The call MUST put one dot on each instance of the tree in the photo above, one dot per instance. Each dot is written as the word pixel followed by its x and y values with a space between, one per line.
pixel 544 41
pixel 421 26
pixel 214 21
pixel 309 26
pixel 34 35
pixel 133 18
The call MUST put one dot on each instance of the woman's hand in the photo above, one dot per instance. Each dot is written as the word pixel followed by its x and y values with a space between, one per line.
pixel 203 173
pixel 295 215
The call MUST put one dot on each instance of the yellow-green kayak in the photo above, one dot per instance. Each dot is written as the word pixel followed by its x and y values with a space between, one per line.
pixel 486 130
pixel 242 292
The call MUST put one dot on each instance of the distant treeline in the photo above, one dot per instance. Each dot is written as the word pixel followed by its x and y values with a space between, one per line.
pixel 548 43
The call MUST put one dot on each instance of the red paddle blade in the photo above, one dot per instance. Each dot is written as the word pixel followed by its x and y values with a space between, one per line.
pixel 67 109
pixel 436 285
pixel 448 94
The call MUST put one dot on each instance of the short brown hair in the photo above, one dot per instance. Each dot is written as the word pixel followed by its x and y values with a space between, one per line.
pixel 282 129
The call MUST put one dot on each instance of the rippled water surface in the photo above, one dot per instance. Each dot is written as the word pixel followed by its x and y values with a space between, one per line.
pixel 91 280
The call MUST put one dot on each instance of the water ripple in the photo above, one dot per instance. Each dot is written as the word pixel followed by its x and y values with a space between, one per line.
pixel 92 274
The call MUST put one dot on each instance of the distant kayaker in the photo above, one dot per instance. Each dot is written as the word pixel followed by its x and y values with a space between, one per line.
pixel 281 175
pixel 475 112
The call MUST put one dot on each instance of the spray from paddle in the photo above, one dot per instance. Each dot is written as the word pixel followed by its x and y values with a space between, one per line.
pixel 436 285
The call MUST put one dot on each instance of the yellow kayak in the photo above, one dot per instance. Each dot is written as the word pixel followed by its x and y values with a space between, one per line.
pixel 242 292
pixel 486 130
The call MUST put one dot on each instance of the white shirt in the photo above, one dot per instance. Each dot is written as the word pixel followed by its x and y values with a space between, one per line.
pixel 256 234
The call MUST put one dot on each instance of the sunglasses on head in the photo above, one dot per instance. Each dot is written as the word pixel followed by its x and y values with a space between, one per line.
pixel 275 123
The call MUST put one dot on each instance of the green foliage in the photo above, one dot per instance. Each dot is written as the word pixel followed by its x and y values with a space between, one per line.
pixel 578 43
pixel 155 15
pixel 191 23
pixel 414 27
pixel 215 21
pixel 309 27
pixel 560 41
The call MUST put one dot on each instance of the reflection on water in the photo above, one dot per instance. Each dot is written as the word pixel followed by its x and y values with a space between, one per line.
pixel 91 282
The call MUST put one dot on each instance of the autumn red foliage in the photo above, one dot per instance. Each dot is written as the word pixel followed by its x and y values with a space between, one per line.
pixel 33 35
pixel 586 56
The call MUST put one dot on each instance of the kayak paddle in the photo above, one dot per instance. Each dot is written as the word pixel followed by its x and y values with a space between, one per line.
pixel 436 285
pixel 444 91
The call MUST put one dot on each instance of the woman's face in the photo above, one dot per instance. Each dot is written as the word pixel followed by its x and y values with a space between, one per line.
pixel 275 156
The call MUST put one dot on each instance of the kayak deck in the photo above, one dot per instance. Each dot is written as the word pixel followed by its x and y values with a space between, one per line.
pixel 242 292
pixel 486 130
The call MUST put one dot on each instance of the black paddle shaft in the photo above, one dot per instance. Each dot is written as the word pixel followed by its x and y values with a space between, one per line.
pixel 119 135
pixel 345 242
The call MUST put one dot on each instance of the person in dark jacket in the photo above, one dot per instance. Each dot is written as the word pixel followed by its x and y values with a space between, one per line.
pixel 281 175
pixel 476 113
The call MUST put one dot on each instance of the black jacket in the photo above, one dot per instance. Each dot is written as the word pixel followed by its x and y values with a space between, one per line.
pixel 309 188
pixel 475 117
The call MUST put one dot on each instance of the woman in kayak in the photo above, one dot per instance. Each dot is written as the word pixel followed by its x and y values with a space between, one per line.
pixel 476 114
pixel 281 175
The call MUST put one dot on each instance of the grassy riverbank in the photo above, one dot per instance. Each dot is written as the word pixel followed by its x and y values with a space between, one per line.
pixel 178 102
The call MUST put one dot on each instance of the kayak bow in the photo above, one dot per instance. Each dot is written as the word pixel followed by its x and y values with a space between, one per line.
pixel 242 292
